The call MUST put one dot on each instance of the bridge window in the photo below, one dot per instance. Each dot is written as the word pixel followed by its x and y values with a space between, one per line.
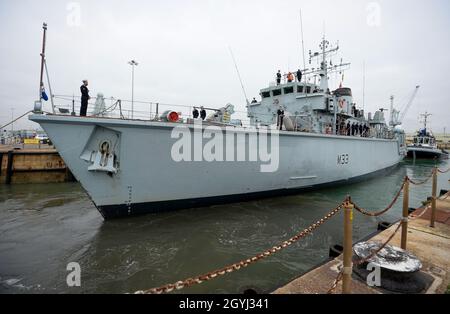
pixel 289 90
pixel 276 92
pixel 265 94
pixel 308 89
pixel 299 89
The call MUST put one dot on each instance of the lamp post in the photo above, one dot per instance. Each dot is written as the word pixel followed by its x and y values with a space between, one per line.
pixel 133 63
pixel 12 119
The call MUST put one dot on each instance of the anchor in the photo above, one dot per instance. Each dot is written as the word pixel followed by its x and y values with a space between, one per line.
pixel 103 160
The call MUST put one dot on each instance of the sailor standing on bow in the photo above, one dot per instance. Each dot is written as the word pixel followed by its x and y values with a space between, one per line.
pixel 84 98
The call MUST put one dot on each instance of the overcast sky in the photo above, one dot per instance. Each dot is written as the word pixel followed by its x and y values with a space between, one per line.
pixel 182 48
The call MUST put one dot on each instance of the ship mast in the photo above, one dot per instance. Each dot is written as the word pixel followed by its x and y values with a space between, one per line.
pixel 425 118
pixel 326 69
pixel 44 39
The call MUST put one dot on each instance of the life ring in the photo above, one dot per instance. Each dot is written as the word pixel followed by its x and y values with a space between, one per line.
pixel 341 103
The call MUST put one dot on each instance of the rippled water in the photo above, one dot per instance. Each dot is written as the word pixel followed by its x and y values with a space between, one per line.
pixel 45 227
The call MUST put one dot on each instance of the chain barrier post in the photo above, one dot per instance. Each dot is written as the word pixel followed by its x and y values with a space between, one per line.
pixel 348 247
pixel 405 214
pixel 433 198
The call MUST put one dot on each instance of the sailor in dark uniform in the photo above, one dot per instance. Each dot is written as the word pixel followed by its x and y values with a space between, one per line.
pixel 280 118
pixel 203 113
pixel 279 77
pixel 84 98
pixel 195 113
pixel 299 75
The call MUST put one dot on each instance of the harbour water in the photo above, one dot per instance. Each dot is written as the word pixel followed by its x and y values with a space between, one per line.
pixel 44 227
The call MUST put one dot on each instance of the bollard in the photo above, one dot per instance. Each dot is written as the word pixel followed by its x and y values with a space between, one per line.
pixel 348 248
pixel 433 198
pixel 405 213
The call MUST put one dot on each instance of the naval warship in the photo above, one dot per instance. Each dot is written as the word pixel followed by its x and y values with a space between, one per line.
pixel 301 135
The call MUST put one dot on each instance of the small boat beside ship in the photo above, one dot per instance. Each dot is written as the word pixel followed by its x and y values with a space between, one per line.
pixel 424 144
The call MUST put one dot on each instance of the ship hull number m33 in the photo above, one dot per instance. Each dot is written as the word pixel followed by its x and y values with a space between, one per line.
pixel 343 159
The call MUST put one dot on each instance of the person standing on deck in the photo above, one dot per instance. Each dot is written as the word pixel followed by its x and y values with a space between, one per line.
pixel 290 77
pixel 299 75
pixel 203 113
pixel 195 113
pixel 342 128
pixel 279 77
pixel 84 98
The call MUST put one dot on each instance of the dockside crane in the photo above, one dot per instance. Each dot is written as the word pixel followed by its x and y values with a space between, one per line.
pixel 398 116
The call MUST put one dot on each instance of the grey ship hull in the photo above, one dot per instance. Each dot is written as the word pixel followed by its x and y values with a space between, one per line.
pixel 149 180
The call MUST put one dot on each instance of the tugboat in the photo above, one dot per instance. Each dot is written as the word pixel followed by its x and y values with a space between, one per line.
pixel 424 144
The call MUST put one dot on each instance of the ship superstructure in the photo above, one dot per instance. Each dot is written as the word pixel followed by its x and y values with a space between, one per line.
pixel 313 107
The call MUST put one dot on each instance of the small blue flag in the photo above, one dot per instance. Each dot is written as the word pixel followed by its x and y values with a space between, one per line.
pixel 44 95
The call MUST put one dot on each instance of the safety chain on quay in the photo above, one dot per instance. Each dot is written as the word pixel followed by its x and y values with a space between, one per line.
pixel 410 217
pixel 361 261
pixel 446 196
pixel 375 252
pixel 367 213
pixel 422 182
pixel 244 263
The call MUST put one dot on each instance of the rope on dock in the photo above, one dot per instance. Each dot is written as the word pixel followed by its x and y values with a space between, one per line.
pixel 443 171
pixel 244 263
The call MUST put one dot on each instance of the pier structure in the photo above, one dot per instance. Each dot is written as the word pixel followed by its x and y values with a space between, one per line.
pixel 31 164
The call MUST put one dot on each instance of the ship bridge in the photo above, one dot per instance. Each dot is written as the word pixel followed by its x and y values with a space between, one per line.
pixel 299 99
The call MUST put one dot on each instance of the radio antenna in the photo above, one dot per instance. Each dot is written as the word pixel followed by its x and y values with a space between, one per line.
pixel 303 43
pixel 364 85
pixel 239 75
